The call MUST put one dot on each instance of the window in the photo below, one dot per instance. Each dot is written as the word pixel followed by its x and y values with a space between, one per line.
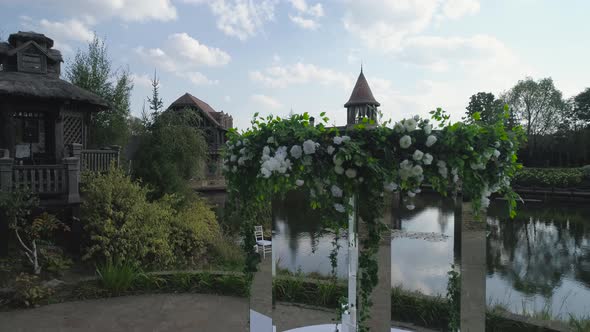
pixel 31 62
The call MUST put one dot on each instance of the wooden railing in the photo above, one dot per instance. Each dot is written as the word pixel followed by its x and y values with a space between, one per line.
pixel 62 180
pixel 41 179
pixel 99 160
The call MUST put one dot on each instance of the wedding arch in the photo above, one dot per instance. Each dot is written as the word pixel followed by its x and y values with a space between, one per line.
pixel 346 171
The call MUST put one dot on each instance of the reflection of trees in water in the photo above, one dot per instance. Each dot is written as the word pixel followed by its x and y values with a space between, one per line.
pixel 539 248
pixel 299 218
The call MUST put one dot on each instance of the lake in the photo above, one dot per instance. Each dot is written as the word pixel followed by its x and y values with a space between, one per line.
pixel 539 261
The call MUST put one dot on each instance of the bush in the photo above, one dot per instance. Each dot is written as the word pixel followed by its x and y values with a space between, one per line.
pixel 549 177
pixel 28 290
pixel 121 224
pixel 194 232
pixel 586 170
pixel 117 277
pixel 54 260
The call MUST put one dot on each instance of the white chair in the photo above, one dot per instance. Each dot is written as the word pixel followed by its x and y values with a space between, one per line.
pixel 261 243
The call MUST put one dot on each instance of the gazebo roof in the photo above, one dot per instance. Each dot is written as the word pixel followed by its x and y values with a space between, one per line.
pixel 361 94
pixel 30 35
pixel 16 84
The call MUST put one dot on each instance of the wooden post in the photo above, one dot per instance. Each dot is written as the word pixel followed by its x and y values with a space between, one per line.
pixel 72 174
pixel 59 136
pixel 5 186
pixel 5 172
pixel 76 152
pixel 473 270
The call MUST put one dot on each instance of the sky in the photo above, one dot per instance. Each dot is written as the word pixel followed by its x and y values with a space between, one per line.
pixel 274 56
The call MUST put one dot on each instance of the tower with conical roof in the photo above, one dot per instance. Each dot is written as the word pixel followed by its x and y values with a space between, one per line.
pixel 361 104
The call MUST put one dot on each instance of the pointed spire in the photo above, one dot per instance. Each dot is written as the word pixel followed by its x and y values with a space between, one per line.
pixel 361 94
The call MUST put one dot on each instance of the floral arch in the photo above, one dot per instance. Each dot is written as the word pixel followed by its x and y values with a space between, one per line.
pixel 346 168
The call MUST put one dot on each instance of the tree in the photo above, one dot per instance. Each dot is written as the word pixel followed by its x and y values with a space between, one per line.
pixel 537 105
pixel 488 109
pixel 92 70
pixel 173 152
pixel 155 102
pixel 18 207
pixel 581 106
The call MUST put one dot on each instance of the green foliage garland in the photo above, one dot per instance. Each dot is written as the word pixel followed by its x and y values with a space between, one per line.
pixel 279 155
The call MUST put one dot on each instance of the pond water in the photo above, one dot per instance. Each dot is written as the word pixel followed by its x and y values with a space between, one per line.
pixel 538 262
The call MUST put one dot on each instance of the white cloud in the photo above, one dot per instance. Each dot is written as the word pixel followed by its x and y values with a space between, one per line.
pixel 266 101
pixel 306 16
pixel 199 54
pixel 300 73
pixel 197 78
pixel 181 52
pixel 384 24
pixel 126 10
pixel 60 31
pixel 240 18
pixel 304 23
pixel 454 9
pixel 303 8
pixel 182 55
pixel 143 80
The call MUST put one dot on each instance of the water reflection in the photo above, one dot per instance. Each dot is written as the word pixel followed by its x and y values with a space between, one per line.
pixel 540 260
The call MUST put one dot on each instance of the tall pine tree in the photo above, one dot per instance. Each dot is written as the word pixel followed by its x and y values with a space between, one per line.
pixel 155 101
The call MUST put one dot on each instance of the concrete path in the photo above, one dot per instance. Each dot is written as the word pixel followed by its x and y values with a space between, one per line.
pixel 288 316
pixel 158 312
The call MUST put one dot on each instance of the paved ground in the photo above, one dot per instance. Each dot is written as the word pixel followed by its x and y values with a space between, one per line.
pixel 159 312
pixel 288 316
pixel 261 291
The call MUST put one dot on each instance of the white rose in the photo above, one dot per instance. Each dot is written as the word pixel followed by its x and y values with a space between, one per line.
pixel 270 140
pixel 398 128
pixel 339 169
pixel 339 207
pixel 238 143
pixel 497 144
pixel 417 117
pixel 351 173
pixel 417 170
pixel 405 142
pixel 428 129
pixel 443 171
pixel 430 140
pixel 345 138
pixel 234 169
pixel 337 140
pixel 309 146
pixel 233 158
pixel 266 151
pixel 411 194
pixel 241 161
pixel 299 183
pixel 331 150
pixel 496 153
pixel 390 186
pixel 441 163
pixel 418 155
pixel 337 161
pixel 336 191
pixel 296 151
pixel 410 124
pixel 427 159
pixel 410 206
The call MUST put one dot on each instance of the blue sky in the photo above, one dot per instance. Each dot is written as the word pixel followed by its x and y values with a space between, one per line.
pixel 271 56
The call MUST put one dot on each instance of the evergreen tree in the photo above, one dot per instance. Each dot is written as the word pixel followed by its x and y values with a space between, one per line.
pixel 155 101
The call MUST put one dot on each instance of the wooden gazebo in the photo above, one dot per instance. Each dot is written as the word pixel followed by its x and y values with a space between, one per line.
pixel 44 120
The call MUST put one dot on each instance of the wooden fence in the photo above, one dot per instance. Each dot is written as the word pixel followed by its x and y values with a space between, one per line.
pixel 99 160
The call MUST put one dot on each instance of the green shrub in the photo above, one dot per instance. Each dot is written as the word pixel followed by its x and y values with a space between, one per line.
pixel 120 223
pixel 586 170
pixel 549 177
pixel 29 292
pixel 54 260
pixel 117 277
pixel 194 232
